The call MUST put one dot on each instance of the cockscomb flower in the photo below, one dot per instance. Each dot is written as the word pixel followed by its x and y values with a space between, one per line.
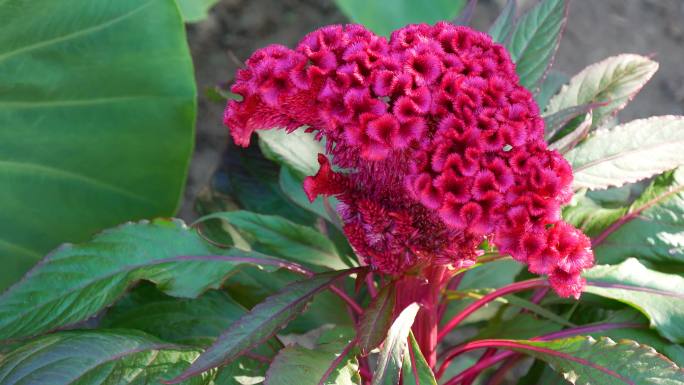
pixel 442 147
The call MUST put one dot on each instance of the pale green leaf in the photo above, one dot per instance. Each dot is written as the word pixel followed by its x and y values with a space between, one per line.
pixel 613 81
pixel 415 370
pixel 628 152
pixel 297 150
pixel 195 10
pixel 502 26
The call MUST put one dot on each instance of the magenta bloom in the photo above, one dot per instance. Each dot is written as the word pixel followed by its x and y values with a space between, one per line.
pixel 441 146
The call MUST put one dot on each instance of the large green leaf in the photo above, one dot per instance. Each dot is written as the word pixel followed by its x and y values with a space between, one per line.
pixel 652 228
pixel 377 319
pixel 185 321
pixel 195 10
pixel 391 356
pixel 99 357
pixel 74 282
pixel 587 361
pixel 296 365
pixel 535 39
pixel 628 152
pixel 613 81
pixel 97 108
pixel 278 236
pixel 415 370
pixel 504 23
pixel 261 323
pixel 657 295
pixel 383 18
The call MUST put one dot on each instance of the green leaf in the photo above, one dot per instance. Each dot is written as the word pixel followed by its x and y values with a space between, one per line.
pixel 652 228
pixel 185 321
pixel 392 354
pixel 383 19
pixel 535 39
pixel 296 365
pixel 97 106
pixel 261 323
pixel 94 358
pixel 520 326
pixel 657 295
pixel 549 87
pixel 297 150
pixel 589 216
pixel 502 26
pixel 586 361
pixel 243 371
pixel 416 370
pixel 628 152
pixel 195 10
pixel 277 236
pixel 377 319
pixel 613 81
pixel 74 282
pixel 293 189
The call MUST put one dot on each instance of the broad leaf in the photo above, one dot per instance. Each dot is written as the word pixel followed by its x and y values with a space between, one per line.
pixel 97 121
pixel 591 217
pixel 393 349
pixel 195 10
pixel 416 370
pixel 521 326
pixel 297 150
pixel 652 228
pixel 628 152
pixel 376 319
pixel 502 26
pixel 243 371
pixel 586 361
pixel 261 323
pixel 535 39
pixel 383 18
pixel 278 236
pixel 185 321
pixel 657 295
pixel 613 81
pixel 95 358
pixel 74 282
pixel 296 365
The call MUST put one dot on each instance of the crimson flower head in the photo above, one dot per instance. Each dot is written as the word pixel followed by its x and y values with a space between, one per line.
pixel 441 148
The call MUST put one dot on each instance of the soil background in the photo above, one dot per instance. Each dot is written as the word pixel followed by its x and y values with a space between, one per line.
pixel 596 29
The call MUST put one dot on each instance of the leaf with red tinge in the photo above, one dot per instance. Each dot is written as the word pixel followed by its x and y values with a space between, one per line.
pixel 586 361
pixel 416 370
pixel 376 320
pixel 261 323
pixel 554 123
pixel 614 81
pixel 657 295
pixel 393 349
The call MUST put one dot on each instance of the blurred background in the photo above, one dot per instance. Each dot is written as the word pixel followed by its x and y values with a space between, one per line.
pixel 596 29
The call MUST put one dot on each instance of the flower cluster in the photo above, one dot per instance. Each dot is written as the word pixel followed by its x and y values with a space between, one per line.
pixel 445 148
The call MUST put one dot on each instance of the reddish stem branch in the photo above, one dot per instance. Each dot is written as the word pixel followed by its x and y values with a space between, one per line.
pixel 632 215
pixel 493 360
pixel 512 288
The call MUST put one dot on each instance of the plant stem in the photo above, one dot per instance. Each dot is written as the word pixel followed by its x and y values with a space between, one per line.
pixel 509 289
pixel 493 360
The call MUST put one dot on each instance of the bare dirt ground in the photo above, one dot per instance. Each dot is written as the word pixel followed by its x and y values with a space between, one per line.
pixel 596 29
